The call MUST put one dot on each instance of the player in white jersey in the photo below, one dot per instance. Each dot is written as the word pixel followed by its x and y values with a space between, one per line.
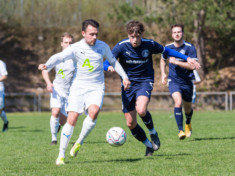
pixel 87 89
pixel 3 77
pixel 59 89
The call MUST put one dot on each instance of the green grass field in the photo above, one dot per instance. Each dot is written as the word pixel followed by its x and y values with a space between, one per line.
pixel 25 149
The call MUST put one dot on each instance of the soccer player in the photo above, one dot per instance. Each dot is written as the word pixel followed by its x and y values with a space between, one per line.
pixel 87 89
pixel 135 56
pixel 180 79
pixel 3 77
pixel 59 89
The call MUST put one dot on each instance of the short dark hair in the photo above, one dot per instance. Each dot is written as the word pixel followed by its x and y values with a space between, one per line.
pixel 178 25
pixel 89 22
pixel 66 34
pixel 135 27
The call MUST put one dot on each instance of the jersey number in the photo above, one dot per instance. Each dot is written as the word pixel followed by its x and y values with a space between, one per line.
pixel 62 73
pixel 87 63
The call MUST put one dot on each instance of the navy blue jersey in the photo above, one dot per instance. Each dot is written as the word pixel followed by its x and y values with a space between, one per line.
pixel 177 73
pixel 137 61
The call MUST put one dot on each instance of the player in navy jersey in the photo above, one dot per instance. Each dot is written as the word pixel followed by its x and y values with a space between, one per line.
pixel 180 79
pixel 135 56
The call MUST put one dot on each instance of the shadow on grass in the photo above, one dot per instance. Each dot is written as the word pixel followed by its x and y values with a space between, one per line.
pixel 19 127
pixel 129 160
pixel 89 142
pixel 34 131
pixel 205 139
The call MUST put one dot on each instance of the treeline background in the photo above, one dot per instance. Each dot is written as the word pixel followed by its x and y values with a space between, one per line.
pixel 30 33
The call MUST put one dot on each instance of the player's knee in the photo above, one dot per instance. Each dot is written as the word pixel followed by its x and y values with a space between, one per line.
pixel 178 103
pixel 55 112
pixel 131 124
pixel 141 112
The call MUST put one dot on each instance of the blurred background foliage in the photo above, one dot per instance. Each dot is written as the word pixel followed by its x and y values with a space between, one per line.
pixel 32 29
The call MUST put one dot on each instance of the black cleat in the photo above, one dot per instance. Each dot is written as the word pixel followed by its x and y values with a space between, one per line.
pixel 53 142
pixel 149 151
pixel 5 127
pixel 58 128
pixel 155 141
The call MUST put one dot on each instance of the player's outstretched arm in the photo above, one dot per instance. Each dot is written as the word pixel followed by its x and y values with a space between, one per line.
pixel 171 52
pixel 185 65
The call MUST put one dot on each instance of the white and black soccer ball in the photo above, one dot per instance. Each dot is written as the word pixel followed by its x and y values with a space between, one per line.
pixel 116 136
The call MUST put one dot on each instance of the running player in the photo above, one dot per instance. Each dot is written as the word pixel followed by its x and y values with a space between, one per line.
pixel 87 89
pixel 3 77
pixel 59 89
pixel 135 56
pixel 180 79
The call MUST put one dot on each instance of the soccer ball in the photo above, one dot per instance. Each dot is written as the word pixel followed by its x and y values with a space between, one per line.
pixel 116 136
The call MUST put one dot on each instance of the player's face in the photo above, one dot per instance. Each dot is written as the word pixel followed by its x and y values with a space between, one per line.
pixel 135 39
pixel 66 42
pixel 90 35
pixel 177 34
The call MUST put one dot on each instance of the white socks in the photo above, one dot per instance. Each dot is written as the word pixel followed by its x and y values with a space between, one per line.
pixel 4 117
pixel 54 124
pixel 66 135
pixel 88 125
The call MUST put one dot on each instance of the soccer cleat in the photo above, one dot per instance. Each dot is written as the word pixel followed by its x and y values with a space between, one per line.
pixel 155 141
pixel 5 127
pixel 60 161
pixel 181 135
pixel 53 142
pixel 74 150
pixel 149 151
pixel 188 130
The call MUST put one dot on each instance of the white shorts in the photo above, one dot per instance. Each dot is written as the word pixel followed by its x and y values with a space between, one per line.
pixel 80 99
pixel 2 100
pixel 57 101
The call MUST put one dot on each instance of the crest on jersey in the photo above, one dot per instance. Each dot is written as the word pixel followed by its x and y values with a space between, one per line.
pixel 145 53
pixel 182 51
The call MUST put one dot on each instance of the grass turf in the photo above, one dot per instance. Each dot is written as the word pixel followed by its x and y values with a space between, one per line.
pixel 25 149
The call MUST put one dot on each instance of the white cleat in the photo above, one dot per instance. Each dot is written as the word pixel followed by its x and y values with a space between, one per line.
pixel 60 161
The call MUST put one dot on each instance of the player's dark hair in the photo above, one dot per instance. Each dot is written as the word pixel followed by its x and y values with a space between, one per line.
pixel 178 25
pixel 66 34
pixel 89 22
pixel 135 27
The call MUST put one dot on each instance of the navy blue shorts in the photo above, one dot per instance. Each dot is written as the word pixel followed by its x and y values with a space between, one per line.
pixel 136 89
pixel 186 90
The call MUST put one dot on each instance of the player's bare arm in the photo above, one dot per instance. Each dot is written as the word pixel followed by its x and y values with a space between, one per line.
pixel 42 67
pixel 163 71
pixel 185 65
pixel 4 77
pixel 194 63
pixel 46 78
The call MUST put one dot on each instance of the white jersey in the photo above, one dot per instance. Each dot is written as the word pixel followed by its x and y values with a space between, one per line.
pixel 89 71
pixel 63 77
pixel 3 72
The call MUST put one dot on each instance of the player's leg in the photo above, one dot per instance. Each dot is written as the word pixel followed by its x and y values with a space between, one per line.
pixel 187 101
pixel 176 94
pixel 54 124
pixel 93 101
pixel 2 112
pixel 141 108
pixel 66 135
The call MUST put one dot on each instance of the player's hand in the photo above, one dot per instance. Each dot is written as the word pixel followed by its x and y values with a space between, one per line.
pixel 164 77
pixel 126 83
pixel 50 87
pixel 173 60
pixel 42 67
pixel 193 62
pixel 111 69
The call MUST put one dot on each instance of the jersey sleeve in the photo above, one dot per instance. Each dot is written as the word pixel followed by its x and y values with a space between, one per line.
pixel 116 51
pixel 3 69
pixel 59 57
pixel 157 48
pixel 106 65
pixel 192 52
